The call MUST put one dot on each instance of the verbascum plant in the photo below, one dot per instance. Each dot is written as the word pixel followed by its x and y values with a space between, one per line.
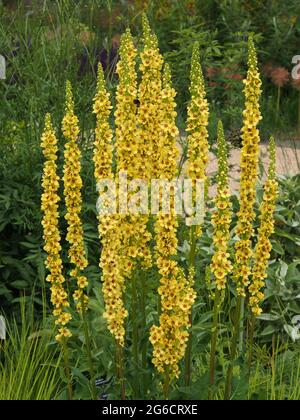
pixel 109 224
pixel 135 236
pixel 263 246
pixel 246 214
pixel 197 122
pixel 249 172
pixel 149 95
pixel 175 291
pixel 127 142
pixel 198 149
pixel 50 200
pixel 220 266
pixel 221 218
pixel 72 192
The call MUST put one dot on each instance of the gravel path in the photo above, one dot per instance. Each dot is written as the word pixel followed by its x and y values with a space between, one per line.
pixel 287 155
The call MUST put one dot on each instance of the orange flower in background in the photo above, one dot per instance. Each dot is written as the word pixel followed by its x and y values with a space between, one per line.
pixel 280 76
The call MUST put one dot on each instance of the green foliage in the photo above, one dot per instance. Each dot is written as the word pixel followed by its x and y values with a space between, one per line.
pixel 29 366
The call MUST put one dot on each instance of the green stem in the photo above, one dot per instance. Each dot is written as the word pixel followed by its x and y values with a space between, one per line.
pixel 233 349
pixel 67 369
pixel 250 342
pixel 89 352
pixel 214 337
pixel 144 325
pixel 120 369
pixel 166 386
pixel 135 333
pixel 241 331
pixel 191 266
pixel 278 103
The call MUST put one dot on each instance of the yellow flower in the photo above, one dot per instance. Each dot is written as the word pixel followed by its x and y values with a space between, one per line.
pixel 176 292
pixel 50 200
pixel 249 163
pixel 263 246
pixel 134 233
pixel 220 265
pixel 109 224
pixel 72 187
pixel 197 123
pixel 63 333
pixel 149 96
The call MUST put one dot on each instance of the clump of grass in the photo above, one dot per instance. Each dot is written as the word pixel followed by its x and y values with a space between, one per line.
pixel 29 369
pixel 276 373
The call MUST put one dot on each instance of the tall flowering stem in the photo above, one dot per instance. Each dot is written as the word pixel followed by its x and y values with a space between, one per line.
pixel 249 172
pixel 246 214
pixel 109 228
pixel 72 192
pixel 135 236
pixel 149 95
pixel 50 201
pixel 198 148
pixel 176 292
pixel 220 266
pixel 263 245
pixel 197 122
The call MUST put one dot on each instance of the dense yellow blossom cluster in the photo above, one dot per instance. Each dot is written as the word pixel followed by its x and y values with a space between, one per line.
pixel 127 141
pixel 249 163
pixel 221 218
pixel 197 121
pixel 149 111
pixel 72 192
pixel 135 236
pixel 50 200
pixel 176 292
pixel 109 224
pixel 263 246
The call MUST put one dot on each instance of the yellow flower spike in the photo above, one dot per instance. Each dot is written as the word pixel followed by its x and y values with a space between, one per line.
pixel 221 218
pixel 103 149
pixel 176 292
pixel 135 236
pixel 249 164
pixel 72 192
pixel 126 133
pixel 197 123
pixel 109 224
pixel 263 246
pixel 149 95
pixel 49 206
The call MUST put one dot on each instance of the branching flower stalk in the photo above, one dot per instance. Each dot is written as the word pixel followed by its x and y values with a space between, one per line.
pixel 50 201
pixel 198 148
pixel 176 292
pixel 72 192
pixel 113 283
pixel 248 180
pixel 220 266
